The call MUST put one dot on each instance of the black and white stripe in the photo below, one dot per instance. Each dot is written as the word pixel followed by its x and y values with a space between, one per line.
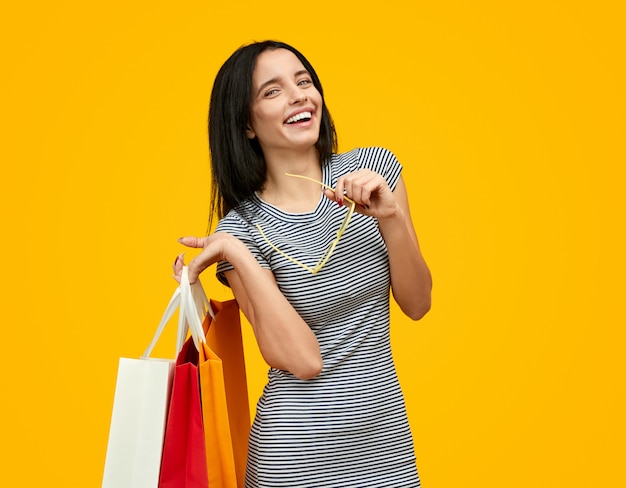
pixel 347 427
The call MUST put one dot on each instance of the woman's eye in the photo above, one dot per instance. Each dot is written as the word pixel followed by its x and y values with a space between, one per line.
pixel 304 82
pixel 271 92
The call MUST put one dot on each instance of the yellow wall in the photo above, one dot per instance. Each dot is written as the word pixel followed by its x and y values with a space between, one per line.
pixel 510 120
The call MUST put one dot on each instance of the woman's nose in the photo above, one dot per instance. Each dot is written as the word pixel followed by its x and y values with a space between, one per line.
pixel 299 97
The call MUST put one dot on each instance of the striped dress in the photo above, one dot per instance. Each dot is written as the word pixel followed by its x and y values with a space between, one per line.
pixel 347 427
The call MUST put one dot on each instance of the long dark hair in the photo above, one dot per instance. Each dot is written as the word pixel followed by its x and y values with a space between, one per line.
pixel 237 162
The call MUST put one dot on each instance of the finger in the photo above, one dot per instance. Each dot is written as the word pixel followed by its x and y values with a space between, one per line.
pixel 339 190
pixel 179 262
pixel 330 194
pixel 193 277
pixel 365 196
pixel 369 185
pixel 201 262
pixel 354 188
pixel 193 271
pixel 177 266
pixel 190 241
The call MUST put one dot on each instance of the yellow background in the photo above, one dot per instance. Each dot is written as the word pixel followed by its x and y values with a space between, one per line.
pixel 509 118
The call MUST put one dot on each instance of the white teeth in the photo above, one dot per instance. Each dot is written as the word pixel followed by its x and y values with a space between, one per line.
pixel 298 117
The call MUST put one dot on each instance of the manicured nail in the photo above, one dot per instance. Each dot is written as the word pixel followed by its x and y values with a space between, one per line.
pixel 340 202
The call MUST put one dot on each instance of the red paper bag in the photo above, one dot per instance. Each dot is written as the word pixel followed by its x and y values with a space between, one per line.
pixel 183 463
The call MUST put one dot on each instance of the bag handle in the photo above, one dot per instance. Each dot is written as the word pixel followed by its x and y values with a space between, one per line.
pixel 202 301
pixel 167 315
pixel 197 302
pixel 193 315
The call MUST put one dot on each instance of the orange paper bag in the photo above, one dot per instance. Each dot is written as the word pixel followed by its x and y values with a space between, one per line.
pixel 224 392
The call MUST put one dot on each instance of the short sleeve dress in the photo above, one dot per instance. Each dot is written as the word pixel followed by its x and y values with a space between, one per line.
pixel 348 426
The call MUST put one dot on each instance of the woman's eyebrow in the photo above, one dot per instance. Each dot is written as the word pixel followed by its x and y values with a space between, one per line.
pixel 276 79
pixel 267 83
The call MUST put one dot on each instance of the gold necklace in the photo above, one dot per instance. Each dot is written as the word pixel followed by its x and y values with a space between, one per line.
pixel 327 253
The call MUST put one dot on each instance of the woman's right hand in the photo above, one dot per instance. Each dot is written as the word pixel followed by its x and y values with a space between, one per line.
pixel 214 249
pixel 285 339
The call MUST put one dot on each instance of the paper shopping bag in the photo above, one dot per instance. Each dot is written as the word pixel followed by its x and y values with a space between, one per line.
pixel 142 392
pixel 140 408
pixel 183 464
pixel 224 391
pixel 209 415
pixel 184 457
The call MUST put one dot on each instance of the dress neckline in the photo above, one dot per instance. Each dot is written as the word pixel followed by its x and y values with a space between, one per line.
pixel 281 214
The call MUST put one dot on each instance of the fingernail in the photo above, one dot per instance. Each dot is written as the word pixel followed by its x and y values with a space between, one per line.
pixel 179 240
pixel 340 202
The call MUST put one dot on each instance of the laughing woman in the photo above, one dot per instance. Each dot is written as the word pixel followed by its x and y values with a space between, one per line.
pixel 312 243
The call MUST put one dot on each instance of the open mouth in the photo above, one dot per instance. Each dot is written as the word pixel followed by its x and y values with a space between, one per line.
pixel 301 117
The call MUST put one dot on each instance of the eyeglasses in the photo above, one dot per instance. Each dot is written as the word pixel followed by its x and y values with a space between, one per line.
pixel 328 252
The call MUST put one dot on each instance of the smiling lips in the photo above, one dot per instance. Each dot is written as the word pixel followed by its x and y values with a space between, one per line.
pixel 299 117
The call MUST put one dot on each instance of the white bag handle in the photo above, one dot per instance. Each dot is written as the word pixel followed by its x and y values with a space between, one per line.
pixel 167 315
pixel 201 299
pixel 192 301
pixel 189 308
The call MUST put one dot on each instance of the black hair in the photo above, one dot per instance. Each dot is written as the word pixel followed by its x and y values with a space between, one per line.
pixel 237 162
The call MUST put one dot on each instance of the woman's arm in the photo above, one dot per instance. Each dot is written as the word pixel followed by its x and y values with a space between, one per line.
pixel 410 277
pixel 411 281
pixel 285 340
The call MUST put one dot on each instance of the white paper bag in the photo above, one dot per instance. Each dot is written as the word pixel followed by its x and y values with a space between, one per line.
pixel 140 409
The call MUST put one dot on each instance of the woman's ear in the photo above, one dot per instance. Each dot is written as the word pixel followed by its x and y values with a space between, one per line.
pixel 250 132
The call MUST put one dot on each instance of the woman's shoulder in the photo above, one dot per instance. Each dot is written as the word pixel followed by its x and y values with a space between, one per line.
pixel 240 218
pixel 375 158
pixel 363 156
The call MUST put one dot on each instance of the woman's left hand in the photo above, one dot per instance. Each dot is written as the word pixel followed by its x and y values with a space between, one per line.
pixel 368 190
pixel 410 277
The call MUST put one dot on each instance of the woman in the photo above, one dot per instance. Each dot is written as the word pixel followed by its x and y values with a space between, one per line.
pixel 312 278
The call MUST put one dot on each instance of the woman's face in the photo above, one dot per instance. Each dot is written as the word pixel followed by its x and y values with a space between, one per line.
pixel 286 108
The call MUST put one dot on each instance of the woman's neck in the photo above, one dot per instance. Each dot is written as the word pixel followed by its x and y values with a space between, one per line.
pixel 288 193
